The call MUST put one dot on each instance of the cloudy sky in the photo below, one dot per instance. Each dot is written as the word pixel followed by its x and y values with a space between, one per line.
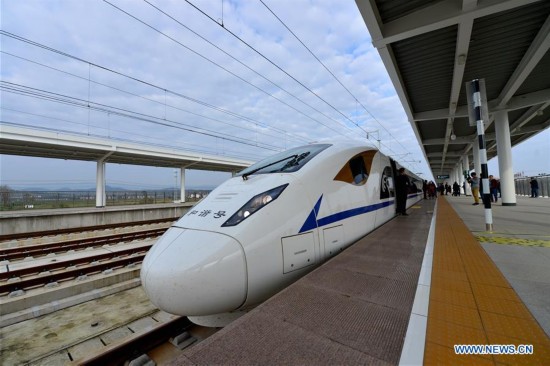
pixel 277 74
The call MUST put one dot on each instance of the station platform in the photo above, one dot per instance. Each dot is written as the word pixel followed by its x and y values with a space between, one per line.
pixel 405 294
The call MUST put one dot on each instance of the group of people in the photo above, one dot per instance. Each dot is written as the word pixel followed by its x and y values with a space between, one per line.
pixel 494 188
pixel 430 189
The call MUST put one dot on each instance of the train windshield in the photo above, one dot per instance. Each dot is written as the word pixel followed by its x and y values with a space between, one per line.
pixel 286 162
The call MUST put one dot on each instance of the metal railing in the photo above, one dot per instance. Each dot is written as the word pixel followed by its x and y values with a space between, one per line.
pixel 21 200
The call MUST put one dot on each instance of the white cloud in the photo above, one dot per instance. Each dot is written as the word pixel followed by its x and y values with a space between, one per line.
pixel 97 32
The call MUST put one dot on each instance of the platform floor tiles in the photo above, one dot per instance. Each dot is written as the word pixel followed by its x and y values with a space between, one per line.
pixel 471 302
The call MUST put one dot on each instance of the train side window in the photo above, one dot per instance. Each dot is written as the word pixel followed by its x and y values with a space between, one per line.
pixel 358 170
pixel 387 188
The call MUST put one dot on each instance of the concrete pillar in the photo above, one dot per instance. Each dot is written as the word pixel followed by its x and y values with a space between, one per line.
pixel 461 175
pixel 505 166
pixel 182 185
pixel 100 198
pixel 466 161
pixel 455 175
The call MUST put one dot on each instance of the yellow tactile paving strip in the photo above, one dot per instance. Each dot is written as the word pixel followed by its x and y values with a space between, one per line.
pixel 472 303
pixel 514 241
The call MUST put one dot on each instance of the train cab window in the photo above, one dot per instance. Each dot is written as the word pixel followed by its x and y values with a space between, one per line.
pixel 286 162
pixel 356 170
pixel 387 188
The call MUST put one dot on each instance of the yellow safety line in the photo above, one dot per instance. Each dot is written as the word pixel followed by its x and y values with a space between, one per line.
pixel 513 241
pixel 471 302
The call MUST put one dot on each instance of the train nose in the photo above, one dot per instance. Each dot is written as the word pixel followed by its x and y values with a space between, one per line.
pixel 193 272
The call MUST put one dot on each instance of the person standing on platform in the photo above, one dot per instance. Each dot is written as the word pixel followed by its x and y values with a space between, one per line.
pixel 493 184
pixel 474 183
pixel 431 190
pixel 441 189
pixel 456 189
pixel 534 187
pixel 402 185
pixel 425 188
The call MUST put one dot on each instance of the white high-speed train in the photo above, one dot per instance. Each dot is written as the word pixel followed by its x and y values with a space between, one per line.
pixel 268 226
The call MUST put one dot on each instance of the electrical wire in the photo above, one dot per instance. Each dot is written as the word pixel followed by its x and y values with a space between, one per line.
pixel 45 95
pixel 151 100
pixel 274 64
pixel 243 64
pixel 223 68
pixel 203 149
pixel 334 76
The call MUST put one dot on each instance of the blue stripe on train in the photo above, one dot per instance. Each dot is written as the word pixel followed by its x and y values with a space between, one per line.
pixel 312 222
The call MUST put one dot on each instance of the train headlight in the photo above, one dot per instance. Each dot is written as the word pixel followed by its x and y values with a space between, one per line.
pixel 255 204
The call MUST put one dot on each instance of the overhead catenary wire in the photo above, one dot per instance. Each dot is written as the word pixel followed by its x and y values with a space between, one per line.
pixel 159 102
pixel 163 89
pixel 245 65
pixel 289 75
pixel 273 63
pixel 225 69
pixel 285 72
pixel 42 94
pixel 331 73
pixel 194 100
pixel 203 149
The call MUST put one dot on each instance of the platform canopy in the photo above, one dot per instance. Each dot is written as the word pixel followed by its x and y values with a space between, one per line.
pixel 46 143
pixel 430 48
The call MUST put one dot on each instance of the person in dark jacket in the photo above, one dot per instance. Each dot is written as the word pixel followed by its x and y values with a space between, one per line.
pixel 425 188
pixel 456 189
pixel 534 188
pixel 402 186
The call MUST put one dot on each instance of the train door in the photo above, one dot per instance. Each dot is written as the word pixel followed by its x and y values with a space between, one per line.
pixel 387 191
pixel 344 215
pixel 394 174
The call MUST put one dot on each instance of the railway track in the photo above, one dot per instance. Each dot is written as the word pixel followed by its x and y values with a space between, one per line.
pixel 106 333
pixel 176 332
pixel 12 282
pixel 58 267
pixel 16 277
pixel 8 254
pixel 18 236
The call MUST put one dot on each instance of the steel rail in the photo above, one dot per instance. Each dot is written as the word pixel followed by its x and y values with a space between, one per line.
pixel 27 283
pixel 47 248
pixel 45 268
pixel 7 237
pixel 119 354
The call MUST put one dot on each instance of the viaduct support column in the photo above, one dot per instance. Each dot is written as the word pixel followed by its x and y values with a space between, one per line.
pixel 100 184
pixel 504 151
pixel 182 185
